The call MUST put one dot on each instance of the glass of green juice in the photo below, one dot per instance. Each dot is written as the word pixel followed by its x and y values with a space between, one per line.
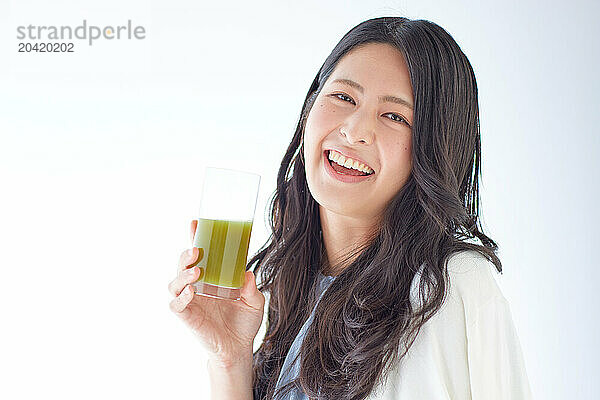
pixel 223 232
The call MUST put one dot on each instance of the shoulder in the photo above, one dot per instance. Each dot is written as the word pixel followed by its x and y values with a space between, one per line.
pixel 471 274
pixel 472 283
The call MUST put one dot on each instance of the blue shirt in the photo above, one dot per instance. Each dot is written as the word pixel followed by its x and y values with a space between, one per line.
pixel 291 365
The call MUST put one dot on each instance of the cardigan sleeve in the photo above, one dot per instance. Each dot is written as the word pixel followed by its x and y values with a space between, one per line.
pixel 496 364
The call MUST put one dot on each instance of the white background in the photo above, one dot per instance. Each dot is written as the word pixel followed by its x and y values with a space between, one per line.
pixel 102 152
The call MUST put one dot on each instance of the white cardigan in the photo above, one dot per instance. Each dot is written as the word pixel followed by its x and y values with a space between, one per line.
pixel 469 349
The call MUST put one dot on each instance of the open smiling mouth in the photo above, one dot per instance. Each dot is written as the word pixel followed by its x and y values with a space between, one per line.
pixel 345 166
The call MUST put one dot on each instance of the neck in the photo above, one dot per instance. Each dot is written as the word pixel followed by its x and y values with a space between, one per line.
pixel 342 234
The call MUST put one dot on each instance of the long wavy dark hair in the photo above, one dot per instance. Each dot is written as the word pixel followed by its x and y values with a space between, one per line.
pixel 365 322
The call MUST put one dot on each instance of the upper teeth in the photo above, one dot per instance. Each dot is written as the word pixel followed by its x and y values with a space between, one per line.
pixel 348 162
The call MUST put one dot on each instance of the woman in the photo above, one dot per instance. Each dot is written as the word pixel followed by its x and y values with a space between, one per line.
pixel 378 275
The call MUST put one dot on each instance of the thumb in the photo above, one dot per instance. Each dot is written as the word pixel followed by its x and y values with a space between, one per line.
pixel 250 293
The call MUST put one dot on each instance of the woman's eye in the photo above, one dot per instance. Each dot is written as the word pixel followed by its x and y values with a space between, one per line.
pixel 397 118
pixel 342 97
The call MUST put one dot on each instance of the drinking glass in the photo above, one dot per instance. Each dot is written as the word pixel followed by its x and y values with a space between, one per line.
pixel 223 232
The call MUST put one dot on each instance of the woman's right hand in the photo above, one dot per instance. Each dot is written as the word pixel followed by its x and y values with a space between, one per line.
pixel 226 328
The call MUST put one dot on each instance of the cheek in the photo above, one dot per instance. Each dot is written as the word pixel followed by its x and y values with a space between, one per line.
pixel 323 117
pixel 399 159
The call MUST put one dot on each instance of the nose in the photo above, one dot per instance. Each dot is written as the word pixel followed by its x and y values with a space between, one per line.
pixel 358 130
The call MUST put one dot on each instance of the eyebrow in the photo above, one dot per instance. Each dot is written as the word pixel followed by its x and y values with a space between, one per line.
pixel 388 98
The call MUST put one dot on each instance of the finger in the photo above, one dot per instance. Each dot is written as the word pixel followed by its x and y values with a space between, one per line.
pixel 193 226
pixel 250 293
pixel 184 278
pixel 179 303
pixel 190 257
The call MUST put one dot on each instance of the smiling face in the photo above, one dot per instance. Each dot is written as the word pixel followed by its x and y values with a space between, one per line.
pixel 363 118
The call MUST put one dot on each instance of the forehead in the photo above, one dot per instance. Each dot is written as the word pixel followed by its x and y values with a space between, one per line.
pixel 379 66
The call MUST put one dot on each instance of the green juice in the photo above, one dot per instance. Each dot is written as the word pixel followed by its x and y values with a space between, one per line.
pixel 225 247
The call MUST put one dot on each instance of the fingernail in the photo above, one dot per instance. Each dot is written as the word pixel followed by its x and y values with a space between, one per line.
pixel 190 253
